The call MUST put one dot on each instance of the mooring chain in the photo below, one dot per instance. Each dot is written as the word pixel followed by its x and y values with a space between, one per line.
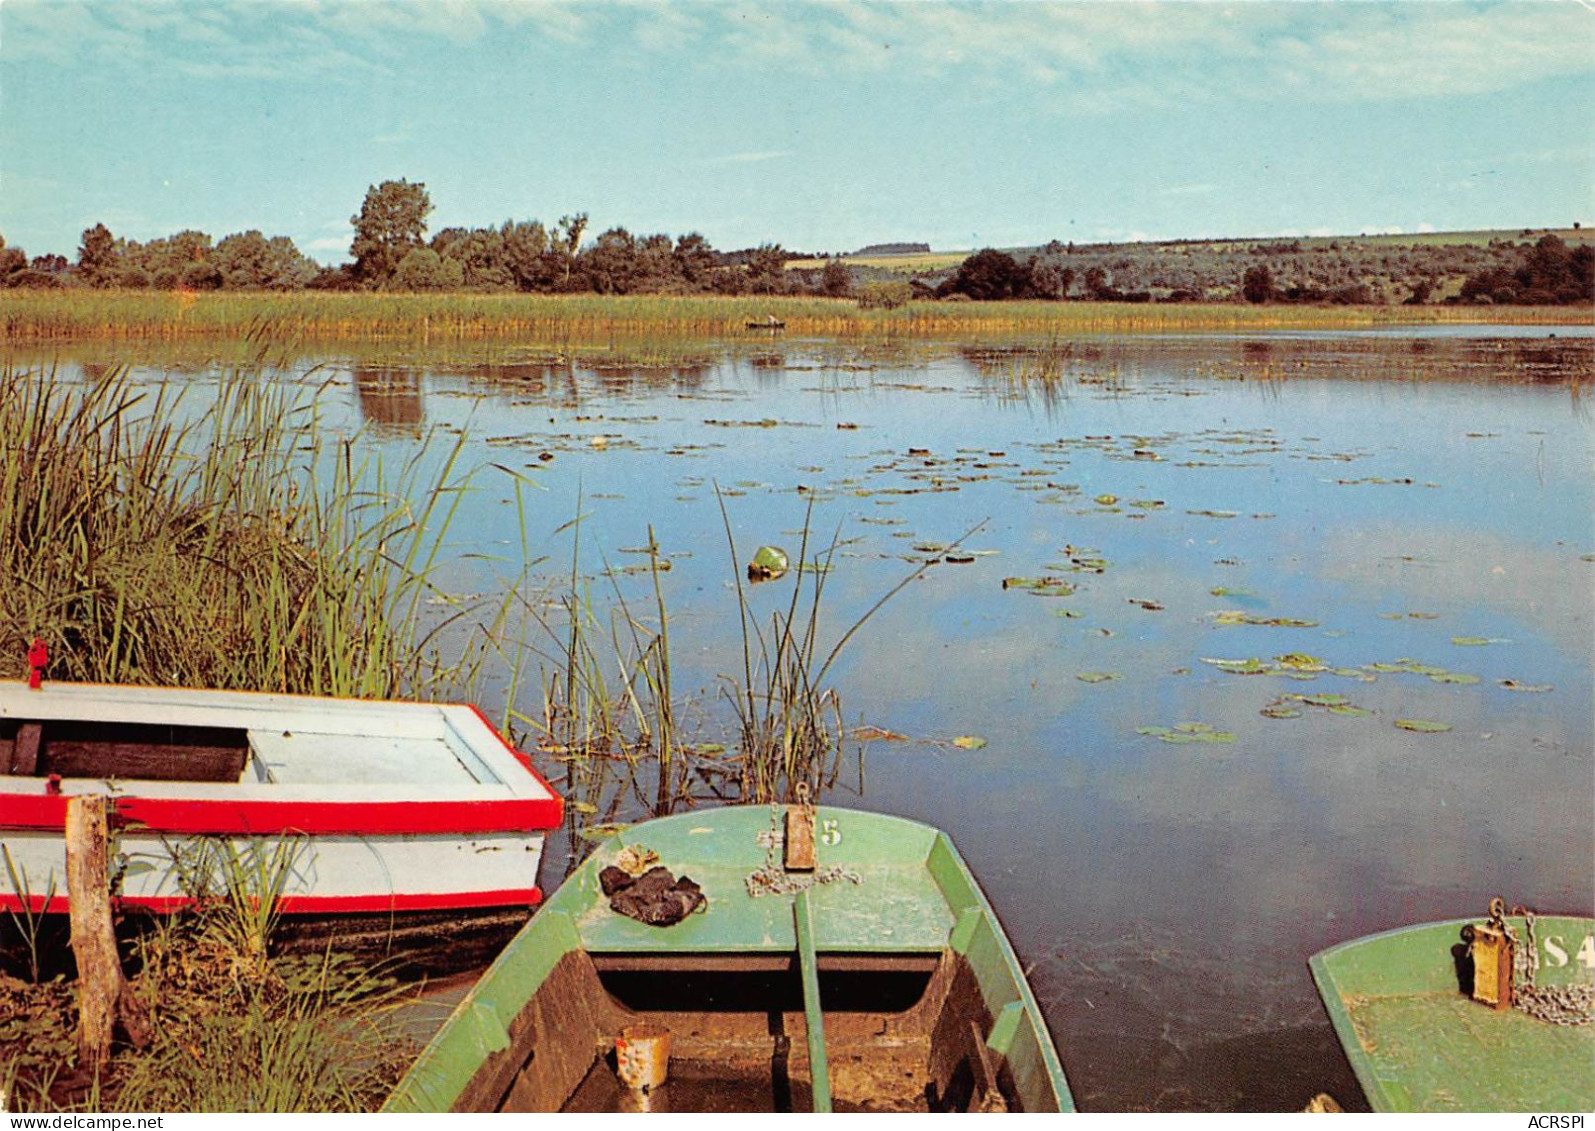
pixel 1567 1005
pixel 772 879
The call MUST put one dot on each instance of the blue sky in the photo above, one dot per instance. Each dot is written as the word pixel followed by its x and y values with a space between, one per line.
pixel 821 126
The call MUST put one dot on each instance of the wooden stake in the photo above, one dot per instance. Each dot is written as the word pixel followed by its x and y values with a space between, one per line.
pixel 93 939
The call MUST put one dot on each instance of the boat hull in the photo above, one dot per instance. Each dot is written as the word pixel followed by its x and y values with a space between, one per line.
pixel 342 808
pixel 922 1003
pixel 1401 1006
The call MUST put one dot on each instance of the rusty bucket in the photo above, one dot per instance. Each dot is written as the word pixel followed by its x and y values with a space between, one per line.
pixel 642 1056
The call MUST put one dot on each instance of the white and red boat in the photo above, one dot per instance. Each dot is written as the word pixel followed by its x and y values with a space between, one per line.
pixel 394 813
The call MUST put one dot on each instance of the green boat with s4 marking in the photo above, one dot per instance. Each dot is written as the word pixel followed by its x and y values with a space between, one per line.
pixel 871 976
pixel 1492 1015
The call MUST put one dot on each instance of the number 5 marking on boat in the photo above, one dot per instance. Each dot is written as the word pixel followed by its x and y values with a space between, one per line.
pixel 829 833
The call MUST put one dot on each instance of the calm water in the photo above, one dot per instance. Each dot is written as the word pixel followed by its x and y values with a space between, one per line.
pixel 1404 501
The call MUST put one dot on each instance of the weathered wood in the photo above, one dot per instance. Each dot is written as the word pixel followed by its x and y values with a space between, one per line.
pixel 93 940
pixel 143 751
pixel 25 753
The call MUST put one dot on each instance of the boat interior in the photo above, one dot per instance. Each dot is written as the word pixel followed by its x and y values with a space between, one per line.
pixel 902 1032
pixel 74 748
pixel 302 752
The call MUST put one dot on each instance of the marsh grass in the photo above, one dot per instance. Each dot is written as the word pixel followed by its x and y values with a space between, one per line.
pixel 586 320
pixel 789 719
pixel 232 1027
pixel 238 545
pixel 27 920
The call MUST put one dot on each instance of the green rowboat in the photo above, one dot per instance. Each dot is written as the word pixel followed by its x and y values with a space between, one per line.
pixel 873 977
pixel 1403 1008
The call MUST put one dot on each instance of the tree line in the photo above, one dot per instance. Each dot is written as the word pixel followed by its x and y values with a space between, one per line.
pixel 391 251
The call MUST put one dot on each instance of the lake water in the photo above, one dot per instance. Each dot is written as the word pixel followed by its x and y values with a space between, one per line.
pixel 1408 519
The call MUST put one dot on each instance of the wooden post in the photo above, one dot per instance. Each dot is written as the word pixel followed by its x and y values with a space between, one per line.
pixel 93 939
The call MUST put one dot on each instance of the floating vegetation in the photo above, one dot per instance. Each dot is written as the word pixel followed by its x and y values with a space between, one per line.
pixel 1097 677
pixel 1412 616
pixel 969 742
pixel 1537 688
pixel 767 563
pixel 1423 726
pixel 868 733
pixel 1477 641
pixel 1284 707
pixel 1416 667
pixel 1187 732
pixel 1227 618
pixel 1040 586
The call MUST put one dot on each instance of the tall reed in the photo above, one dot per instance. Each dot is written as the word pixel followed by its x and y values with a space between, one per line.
pixel 235 544
pixel 55 315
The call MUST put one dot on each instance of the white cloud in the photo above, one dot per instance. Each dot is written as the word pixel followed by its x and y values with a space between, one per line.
pixel 1086 56
pixel 749 158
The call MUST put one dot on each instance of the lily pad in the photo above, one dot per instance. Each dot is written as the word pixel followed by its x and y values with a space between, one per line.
pixel 1097 677
pixel 1230 617
pixel 869 733
pixel 1252 666
pixel 768 563
pixel 1423 726
pixel 1280 713
pixel 1106 500
pixel 1514 685
pixel 969 742
pixel 1187 732
pixel 1475 641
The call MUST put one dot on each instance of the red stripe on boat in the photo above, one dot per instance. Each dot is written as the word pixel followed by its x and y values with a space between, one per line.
pixel 315 904
pixel 232 816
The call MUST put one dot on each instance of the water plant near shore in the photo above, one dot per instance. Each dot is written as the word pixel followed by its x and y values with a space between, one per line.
pixel 229 546
pixel 56 315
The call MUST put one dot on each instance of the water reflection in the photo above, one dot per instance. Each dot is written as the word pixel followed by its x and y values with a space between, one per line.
pixel 390 400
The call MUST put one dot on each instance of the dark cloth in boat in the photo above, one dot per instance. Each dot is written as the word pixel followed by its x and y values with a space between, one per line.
pixel 656 897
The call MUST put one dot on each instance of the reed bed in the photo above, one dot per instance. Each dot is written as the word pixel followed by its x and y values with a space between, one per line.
pixel 243 549
pixel 76 314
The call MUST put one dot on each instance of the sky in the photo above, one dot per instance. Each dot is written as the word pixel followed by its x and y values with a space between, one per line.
pixel 818 126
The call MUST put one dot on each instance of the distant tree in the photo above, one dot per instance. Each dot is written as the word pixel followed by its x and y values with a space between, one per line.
pixel 248 261
pixel 480 252
pixel 423 269
pixel 340 278
pixel 98 262
pixel 694 259
pixel 529 256
pixel 567 241
pixel 656 264
pixel 766 270
pixel 610 264
pixel 12 260
pixel 1051 281
pixel 1257 285
pixel 836 281
pixel 390 224
pixel 991 275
